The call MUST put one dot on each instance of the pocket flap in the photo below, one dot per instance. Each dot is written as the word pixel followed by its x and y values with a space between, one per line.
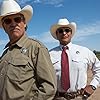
pixel 19 60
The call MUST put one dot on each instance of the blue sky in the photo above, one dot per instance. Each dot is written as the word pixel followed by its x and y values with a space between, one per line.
pixel 86 14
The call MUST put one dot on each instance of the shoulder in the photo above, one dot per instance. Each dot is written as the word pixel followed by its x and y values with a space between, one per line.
pixel 55 49
pixel 54 52
pixel 82 50
pixel 36 43
pixel 79 47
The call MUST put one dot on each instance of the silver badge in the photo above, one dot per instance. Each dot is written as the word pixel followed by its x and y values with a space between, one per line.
pixel 23 50
pixel 77 52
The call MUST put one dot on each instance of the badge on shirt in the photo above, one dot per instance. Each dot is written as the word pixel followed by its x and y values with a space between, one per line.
pixel 77 52
pixel 23 50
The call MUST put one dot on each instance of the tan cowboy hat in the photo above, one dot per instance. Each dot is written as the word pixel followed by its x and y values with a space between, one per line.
pixel 9 7
pixel 62 23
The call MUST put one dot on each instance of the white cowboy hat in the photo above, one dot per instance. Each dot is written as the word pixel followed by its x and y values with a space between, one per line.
pixel 62 23
pixel 9 7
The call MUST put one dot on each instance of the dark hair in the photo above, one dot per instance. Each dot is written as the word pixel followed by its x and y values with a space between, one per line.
pixel 26 28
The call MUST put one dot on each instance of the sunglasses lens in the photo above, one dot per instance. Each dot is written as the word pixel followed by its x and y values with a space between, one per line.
pixel 7 21
pixel 17 19
pixel 67 30
pixel 60 30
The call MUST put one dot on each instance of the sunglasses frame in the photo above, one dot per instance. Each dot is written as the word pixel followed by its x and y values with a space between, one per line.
pixel 16 19
pixel 64 29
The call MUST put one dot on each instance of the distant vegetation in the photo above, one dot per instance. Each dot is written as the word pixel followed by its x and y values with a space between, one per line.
pixel 97 54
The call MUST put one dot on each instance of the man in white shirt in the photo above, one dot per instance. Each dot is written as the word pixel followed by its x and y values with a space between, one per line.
pixel 79 58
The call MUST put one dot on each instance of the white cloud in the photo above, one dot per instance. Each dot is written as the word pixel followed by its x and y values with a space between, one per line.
pixel 37 1
pixel 87 30
pixel 44 37
pixel 57 3
pixel 52 2
pixel 47 38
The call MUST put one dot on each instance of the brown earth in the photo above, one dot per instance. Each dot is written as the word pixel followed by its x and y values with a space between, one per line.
pixel 96 94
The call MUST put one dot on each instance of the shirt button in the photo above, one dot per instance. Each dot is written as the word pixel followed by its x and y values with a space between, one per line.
pixel 1 74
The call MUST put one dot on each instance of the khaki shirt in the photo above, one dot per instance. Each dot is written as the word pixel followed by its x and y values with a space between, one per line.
pixel 26 72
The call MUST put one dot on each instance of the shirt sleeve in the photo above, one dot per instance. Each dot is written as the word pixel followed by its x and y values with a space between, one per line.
pixel 46 76
pixel 95 63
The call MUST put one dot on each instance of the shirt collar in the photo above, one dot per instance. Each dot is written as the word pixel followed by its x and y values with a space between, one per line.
pixel 68 45
pixel 20 42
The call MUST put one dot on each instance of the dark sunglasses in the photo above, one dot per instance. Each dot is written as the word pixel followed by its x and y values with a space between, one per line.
pixel 61 30
pixel 9 21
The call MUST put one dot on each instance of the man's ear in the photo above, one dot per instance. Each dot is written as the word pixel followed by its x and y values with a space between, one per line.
pixel 71 35
pixel 25 27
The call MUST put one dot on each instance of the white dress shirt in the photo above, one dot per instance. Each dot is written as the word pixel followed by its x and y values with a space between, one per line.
pixel 80 59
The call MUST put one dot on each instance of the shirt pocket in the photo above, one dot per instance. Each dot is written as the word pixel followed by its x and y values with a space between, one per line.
pixel 79 63
pixel 20 68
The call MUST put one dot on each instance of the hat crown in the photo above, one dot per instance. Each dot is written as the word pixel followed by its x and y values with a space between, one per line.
pixel 63 21
pixel 9 7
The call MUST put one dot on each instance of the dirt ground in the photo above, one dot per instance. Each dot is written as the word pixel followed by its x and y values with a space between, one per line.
pixel 96 95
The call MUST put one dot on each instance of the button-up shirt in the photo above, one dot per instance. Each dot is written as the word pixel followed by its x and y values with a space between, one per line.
pixel 80 59
pixel 26 72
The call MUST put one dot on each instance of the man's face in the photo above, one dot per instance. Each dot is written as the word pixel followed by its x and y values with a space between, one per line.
pixel 14 26
pixel 64 35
